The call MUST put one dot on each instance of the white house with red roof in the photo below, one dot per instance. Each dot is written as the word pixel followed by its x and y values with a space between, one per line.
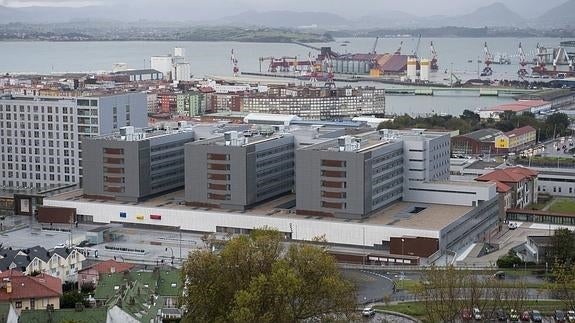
pixel 29 292
pixel 518 185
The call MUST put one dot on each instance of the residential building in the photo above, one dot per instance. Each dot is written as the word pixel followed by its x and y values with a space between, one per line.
pixel 134 164
pixel 537 249
pixel 480 142
pixel 515 140
pixel 152 103
pixel 191 104
pixel 520 182
pixel 40 137
pixel 316 103
pixel 62 263
pixel 167 103
pixel 30 292
pixel 237 172
pixel 92 274
pixel 137 288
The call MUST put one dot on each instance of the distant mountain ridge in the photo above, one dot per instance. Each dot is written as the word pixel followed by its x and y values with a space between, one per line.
pixel 493 15
pixel 560 16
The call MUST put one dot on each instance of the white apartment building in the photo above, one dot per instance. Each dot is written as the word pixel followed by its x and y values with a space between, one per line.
pixel 40 137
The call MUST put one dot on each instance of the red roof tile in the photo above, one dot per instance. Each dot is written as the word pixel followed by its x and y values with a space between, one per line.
pixel 520 131
pixel 518 106
pixel 507 175
pixel 502 188
pixel 106 267
pixel 40 286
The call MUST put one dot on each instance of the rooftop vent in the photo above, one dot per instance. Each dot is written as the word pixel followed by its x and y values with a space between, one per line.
pixel 348 143
pixel 233 138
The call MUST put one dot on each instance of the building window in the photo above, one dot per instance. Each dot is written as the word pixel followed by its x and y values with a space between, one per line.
pixel 18 304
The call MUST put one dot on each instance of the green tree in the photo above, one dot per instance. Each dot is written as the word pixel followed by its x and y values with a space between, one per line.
pixel 563 285
pixel 470 116
pixel 254 278
pixel 563 250
pixel 69 299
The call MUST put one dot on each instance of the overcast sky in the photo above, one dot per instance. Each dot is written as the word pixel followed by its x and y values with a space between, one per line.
pixel 353 8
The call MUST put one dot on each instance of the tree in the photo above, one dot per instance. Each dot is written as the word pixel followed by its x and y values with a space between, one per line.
pixel 470 116
pixel 69 299
pixel 563 284
pixel 563 250
pixel 256 278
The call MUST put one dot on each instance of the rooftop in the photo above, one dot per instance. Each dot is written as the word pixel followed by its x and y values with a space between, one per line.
pixel 24 287
pixel 138 134
pixel 397 215
pixel 483 135
pixel 518 106
pixel 508 175
pixel 110 266
pixel 86 315
pixel 520 131
pixel 241 140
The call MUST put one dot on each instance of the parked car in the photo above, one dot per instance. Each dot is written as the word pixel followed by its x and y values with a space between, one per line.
pixel 536 316
pixel 501 316
pixel 559 316
pixel 512 226
pixel 466 314
pixel 571 316
pixel 513 315
pixel 525 317
pixel 368 312
pixel 477 314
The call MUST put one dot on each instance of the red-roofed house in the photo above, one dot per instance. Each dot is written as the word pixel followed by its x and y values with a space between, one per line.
pixel 92 274
pixel 517 184
pixel 516 139
pixel 29 292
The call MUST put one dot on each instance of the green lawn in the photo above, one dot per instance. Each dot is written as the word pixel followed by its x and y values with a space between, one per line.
pixel 563 206
pixel 417 309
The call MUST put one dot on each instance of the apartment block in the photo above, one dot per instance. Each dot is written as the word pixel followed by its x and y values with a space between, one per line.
pixel 133 164
pixel 236 172
pixel 40 136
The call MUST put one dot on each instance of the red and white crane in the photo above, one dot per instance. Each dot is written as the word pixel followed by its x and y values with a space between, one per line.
pixel 522 72
pixel 487 71
pixel 235 67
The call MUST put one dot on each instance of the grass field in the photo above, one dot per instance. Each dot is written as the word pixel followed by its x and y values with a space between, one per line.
pixel 417 309
pixel 563 205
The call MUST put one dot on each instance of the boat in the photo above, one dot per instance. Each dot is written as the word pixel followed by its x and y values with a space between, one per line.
pixel 502 59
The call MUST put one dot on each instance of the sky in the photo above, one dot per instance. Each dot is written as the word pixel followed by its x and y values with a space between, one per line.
pixel 347 8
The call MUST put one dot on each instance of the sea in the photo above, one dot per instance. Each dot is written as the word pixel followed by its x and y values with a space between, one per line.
pixel 459 56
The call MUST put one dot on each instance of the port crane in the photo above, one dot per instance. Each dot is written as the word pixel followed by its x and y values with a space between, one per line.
pixel 487 71
pixel 562 53
pixel 522 62
pixel 374 48
pixel 398 51
pixel 416 50
pixel 235 67
pixel 434 66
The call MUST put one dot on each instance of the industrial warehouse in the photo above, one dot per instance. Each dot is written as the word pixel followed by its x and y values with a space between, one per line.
pixel 353 197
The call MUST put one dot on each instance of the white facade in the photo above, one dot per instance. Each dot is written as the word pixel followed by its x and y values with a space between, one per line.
pixel 182 72
pixel 162 64
pixel 40 137
pixel 337 232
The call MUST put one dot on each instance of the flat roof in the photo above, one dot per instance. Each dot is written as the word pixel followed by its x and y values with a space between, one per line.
pixel 398 214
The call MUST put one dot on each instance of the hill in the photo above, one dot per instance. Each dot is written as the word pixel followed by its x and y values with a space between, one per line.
pixel 560 16
pixel 289 19
pixel 493 15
